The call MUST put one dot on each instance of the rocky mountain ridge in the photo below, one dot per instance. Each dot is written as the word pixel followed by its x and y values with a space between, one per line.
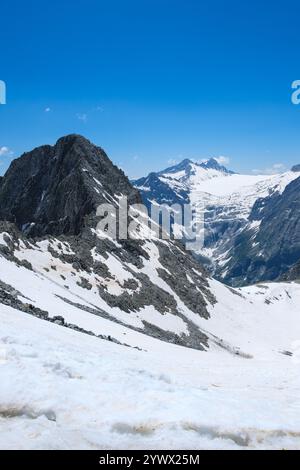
pixel 48 204
pixel 57 188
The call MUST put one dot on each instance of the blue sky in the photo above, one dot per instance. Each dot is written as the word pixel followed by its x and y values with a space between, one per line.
pixel 153 81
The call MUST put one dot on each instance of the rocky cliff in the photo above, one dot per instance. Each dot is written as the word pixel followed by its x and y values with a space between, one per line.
pixel 48 203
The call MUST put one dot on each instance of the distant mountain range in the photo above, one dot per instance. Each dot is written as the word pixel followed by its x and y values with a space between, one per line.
pixel 174 184
pixel 252 230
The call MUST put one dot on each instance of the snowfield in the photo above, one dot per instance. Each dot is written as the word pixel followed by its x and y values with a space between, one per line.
pixel 65 389
pixel 61 389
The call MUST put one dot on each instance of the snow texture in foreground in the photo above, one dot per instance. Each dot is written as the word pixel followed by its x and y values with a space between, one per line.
pixel 60 389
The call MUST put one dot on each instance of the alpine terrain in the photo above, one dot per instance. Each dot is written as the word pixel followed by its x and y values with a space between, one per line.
pixel 111 343
pixel 252 230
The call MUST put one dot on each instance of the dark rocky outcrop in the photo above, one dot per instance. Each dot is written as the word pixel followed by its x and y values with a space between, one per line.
pixel 269 252
pixel 293 274
pixel 51 189
pixel 296 168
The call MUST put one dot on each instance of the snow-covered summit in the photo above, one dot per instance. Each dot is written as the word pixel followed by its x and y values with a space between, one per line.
pixel 227 199
pixel 178 181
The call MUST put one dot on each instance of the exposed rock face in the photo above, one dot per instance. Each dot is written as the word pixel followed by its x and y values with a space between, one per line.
pixel 272 246
pixel 296 168
pixel 51 189
pixel 293 273
pixel 154 189
pixel 213 164
pixel 48 202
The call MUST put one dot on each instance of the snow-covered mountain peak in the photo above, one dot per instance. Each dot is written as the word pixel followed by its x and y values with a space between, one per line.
pixel 188 165
pixel 179 180
pixel 182 166
pixel 213 164
pixel 230 201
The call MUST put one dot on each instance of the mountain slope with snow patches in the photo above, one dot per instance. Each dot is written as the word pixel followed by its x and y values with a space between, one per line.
pixel 132 281
pixel 225 200
pixel 59 291
pixel 110 343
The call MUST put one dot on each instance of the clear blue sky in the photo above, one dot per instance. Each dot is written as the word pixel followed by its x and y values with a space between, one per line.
pixel 153 81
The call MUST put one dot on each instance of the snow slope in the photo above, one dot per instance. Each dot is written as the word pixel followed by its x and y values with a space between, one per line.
pixel 118 384
pixel 54 286
pixel 238 193
pixel 61 389
pixel 235 316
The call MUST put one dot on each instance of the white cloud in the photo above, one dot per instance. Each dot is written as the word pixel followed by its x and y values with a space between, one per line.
pixel 222 160
pixel 273 170
pixel 172 161
pixel 82 117
pixel 47 110
pixel 5 152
